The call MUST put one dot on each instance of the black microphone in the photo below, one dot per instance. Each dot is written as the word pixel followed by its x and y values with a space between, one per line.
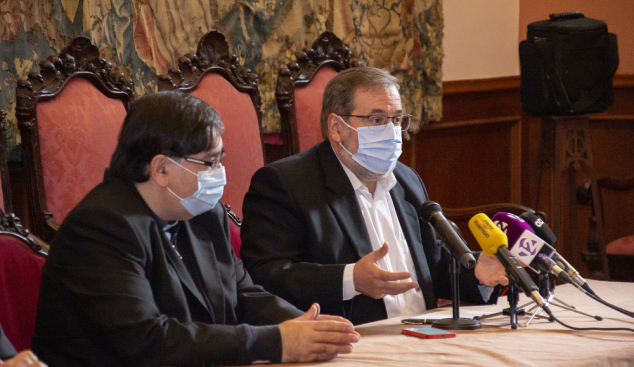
pixel 430 212
pixel 545 233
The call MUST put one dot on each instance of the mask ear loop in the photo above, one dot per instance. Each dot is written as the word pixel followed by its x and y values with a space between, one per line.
pixel 183 167
pixel 345 123
pixel 173 193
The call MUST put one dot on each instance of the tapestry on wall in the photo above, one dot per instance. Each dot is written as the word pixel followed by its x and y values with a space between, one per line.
pixel 149 36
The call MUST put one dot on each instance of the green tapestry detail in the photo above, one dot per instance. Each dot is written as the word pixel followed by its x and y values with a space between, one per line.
pixel 402 36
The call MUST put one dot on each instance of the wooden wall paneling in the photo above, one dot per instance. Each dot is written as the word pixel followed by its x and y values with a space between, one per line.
pixel 469 163
pixel 444 154
pixel 613 137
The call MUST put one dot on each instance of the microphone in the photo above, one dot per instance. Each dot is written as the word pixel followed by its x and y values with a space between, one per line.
pixel 548 265
pixel 430 212
pixel 526 245
pixel 545 233
pixel 494 242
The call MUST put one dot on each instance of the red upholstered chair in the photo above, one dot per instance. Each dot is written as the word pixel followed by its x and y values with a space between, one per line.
pixel 21 261
pixel 69 117
pixel 300 88
pixel 215 76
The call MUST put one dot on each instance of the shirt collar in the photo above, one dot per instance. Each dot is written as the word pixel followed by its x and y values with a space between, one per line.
pixel 386 183
pixel 166 226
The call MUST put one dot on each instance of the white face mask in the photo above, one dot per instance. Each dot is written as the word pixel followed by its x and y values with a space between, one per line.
pixel 379 147
pixel 210 189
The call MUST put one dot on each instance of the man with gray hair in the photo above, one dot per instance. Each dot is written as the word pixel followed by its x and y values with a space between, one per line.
pixel 339 223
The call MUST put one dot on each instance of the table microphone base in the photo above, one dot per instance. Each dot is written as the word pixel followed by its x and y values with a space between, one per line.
pixel 457 324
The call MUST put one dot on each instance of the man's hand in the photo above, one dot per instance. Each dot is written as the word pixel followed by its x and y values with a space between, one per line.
pixel 23 359
pixel 371 280
pixel 490 271
pixel 314 337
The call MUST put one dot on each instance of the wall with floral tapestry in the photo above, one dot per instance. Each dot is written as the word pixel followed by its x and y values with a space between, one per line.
pixel 149 36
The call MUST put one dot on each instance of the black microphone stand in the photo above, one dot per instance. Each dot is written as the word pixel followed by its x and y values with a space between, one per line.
pixel 456 323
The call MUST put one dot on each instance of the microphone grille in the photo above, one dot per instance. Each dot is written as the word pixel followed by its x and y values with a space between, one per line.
pixel 428 209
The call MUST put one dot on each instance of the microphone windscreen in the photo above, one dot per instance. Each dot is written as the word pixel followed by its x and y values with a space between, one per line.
pixel 428 209
pixel 512 225
pixel 540 228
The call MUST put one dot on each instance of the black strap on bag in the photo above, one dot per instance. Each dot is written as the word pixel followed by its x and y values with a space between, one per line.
pixel 567 66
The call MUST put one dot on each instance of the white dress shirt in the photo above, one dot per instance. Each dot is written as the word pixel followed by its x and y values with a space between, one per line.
pixel 383 226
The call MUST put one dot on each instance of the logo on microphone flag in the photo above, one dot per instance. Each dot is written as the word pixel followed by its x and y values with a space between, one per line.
pixel 526 248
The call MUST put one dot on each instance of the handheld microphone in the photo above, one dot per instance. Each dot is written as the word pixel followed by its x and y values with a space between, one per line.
pixel 430 212
pixel 494 242
pixel 545 233
pixel 525 245
pixel 548 265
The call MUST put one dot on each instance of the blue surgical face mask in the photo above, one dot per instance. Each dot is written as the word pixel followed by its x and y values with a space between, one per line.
pixel 211 185
pixel 379 147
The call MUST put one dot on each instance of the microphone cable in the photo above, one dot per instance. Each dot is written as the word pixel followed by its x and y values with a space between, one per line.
pixel 591 328
pixel 600 300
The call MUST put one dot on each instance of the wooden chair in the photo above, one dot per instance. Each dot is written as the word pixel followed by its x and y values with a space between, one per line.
pixel 21 262
pixel 69 115
pixel 5 187
pixel 615 260
pixel 300 87
pixel 216 77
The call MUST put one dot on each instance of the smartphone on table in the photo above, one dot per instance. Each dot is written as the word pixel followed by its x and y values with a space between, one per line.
pixel 429 333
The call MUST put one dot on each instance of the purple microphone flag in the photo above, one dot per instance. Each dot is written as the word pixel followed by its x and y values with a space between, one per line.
pixel 523 242
pixel 512 225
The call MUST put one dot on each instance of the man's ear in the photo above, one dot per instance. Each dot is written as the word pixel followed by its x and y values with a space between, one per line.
pixel 159 170
pixel 335 128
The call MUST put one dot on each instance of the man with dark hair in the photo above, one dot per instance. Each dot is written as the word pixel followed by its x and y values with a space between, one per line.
pixel 141 272
pixel 339 223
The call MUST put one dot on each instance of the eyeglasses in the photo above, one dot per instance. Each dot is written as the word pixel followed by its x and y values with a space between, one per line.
pixel 215 161
pixel 381 120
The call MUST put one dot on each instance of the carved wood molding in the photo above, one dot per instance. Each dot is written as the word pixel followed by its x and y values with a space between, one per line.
pixel 80 59
pixel 10 224
pixel 4 168
pixel 212 55
pixel 326 50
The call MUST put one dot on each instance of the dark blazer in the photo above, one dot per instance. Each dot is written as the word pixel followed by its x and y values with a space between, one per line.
pixel 302 224
pixel 115 293
pixel 6 348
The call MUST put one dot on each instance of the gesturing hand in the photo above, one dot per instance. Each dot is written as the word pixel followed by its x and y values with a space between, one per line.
pixel 371 280
pixel 490 271
pixel 314 337
pixel 23 359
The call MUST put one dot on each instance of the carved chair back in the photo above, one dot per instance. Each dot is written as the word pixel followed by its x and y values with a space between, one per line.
pixel 300 88
pixel 21 262
pixel 5 185
pixel 215 76
pixel 69 115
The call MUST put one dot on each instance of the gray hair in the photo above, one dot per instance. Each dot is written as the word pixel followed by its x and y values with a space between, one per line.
pixel 339 93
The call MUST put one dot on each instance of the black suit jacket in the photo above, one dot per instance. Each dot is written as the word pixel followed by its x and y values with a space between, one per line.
pixel 302 224
pixel 115 293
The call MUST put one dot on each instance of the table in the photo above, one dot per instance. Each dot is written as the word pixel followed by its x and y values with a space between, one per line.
pixel 540 344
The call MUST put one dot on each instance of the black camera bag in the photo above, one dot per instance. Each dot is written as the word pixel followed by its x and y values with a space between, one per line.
pixel 567 65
